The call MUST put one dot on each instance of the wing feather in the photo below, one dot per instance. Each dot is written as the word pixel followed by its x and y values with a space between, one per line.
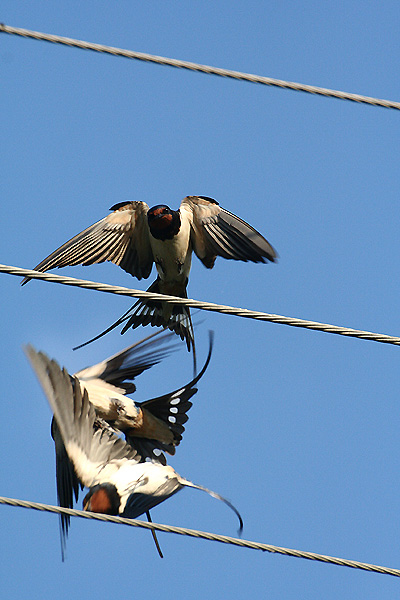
pixel 67 482
pixel 217 232
pixel 121 369
pixel 122 238
pixel 138 503
pixel 95 455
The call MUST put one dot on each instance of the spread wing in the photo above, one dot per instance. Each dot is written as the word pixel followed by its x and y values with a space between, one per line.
pixel 217 232
pixel 122 238
pixel 95 455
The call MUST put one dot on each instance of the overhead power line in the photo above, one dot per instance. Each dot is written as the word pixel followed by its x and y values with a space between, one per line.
pixel 183 64
pixel 214 537
pixel 219 308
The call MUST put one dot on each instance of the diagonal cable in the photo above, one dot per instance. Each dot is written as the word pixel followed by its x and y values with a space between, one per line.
pixel 183 64
pixel 219 308
pixel 224 539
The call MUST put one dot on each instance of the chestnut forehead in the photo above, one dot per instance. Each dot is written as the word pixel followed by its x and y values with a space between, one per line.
pixel 158 210
pixel 162 222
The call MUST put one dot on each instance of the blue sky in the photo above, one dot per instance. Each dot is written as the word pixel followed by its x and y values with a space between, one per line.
pixel 299 429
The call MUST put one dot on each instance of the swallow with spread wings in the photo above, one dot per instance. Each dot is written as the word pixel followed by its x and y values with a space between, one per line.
pixel 135 236
pixel 121 481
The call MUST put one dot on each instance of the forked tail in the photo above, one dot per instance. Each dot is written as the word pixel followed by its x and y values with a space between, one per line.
pixel 156 313
pixel 175 317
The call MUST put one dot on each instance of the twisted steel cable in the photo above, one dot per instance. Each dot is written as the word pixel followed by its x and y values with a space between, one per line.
pixel 224 539
pixel 183 64
pixel 219 308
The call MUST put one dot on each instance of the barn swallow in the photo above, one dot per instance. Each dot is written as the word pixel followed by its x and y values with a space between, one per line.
pixel 120 481
pixel 152 427
pixel 107 384
pixel 135 236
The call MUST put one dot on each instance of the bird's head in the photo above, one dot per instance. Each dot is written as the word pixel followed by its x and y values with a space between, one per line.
pixel 163 222
pixel 102 498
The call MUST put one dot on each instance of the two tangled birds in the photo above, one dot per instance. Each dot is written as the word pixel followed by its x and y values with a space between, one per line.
pixel 91 408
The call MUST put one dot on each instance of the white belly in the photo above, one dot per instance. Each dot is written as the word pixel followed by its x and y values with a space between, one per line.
pixel 173 258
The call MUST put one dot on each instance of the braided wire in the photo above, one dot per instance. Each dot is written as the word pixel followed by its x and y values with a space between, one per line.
pixel 310 89
pixel 224 539
pixel 210 306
